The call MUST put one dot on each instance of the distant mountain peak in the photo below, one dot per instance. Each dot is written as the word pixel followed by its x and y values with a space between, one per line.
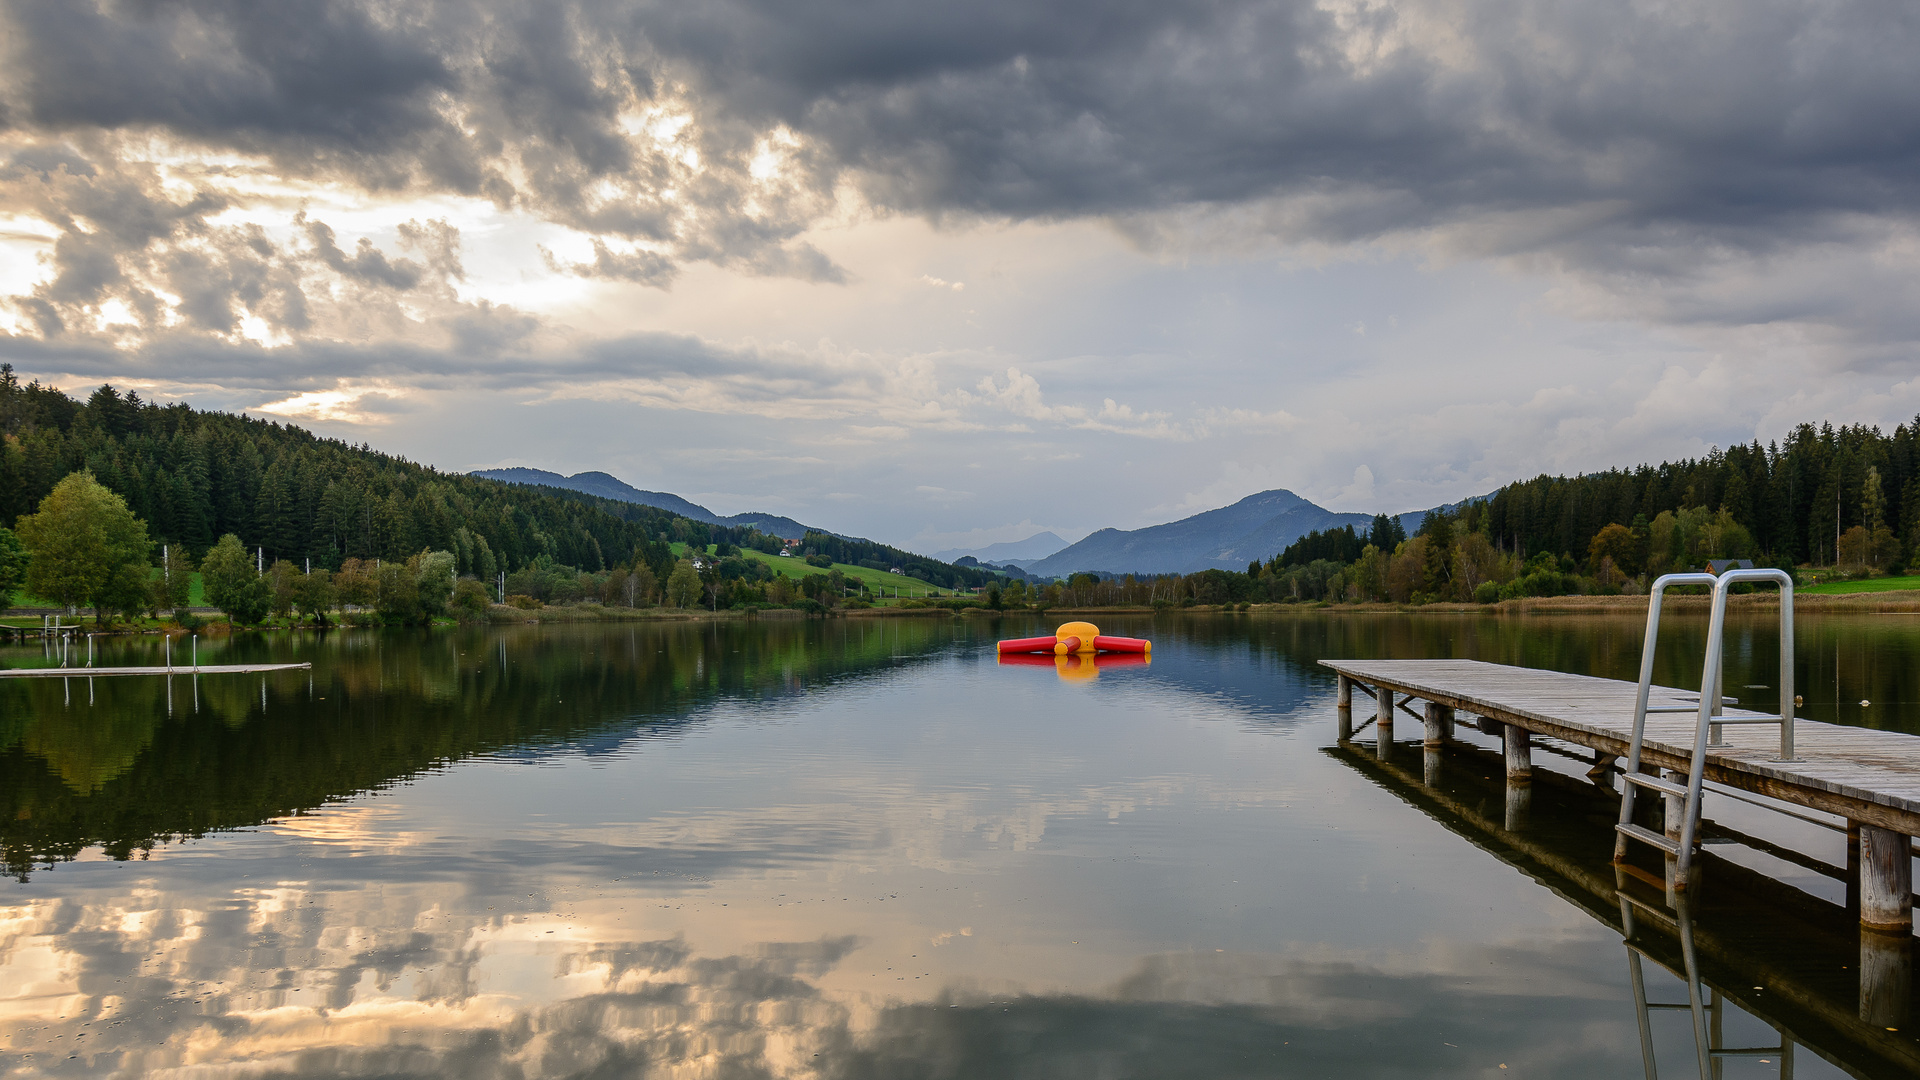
pixel 1256 528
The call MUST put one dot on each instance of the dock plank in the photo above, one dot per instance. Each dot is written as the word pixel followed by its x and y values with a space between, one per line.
pixel 1863 774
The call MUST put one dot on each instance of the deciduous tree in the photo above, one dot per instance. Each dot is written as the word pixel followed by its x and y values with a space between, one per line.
pixel 86 548
pixel 233 583
pixel 683 587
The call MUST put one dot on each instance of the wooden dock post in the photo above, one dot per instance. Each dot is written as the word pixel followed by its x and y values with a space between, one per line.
pixel 1673 808
pixel 1886 880
pixel 1345 698
pixel 1439 724
pixel 1519 755
pixel 1383 722
pixel 1344 709
pixel 1430 767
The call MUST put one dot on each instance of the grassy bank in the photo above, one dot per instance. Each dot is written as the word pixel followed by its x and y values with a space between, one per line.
pixel 1870 585
pixel 877 580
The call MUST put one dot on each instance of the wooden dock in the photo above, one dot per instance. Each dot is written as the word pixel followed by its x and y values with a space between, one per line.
pixel 1869 778
pixel 92 672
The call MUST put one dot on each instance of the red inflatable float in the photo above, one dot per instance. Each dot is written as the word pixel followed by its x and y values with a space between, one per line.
pixel 1080 638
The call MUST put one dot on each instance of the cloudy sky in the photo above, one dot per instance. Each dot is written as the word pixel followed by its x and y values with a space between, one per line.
pixel 945 274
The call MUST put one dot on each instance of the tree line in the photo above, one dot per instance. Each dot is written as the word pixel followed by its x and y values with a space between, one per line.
pixel 1797 498
pixel 194 476
pixel 221 494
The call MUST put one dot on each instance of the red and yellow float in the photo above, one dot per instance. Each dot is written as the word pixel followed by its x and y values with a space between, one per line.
pixel 1076 639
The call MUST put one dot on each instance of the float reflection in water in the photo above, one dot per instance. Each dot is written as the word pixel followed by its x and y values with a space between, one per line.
pixel 1076 666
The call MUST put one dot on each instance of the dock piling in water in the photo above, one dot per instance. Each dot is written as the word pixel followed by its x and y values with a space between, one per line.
pixel 1519 750
pixel 1382 721
pixel 1886 880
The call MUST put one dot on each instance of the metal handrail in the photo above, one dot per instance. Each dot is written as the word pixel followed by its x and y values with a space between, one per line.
pixel 1707 729
pixel 1656 594
pixel 1716 632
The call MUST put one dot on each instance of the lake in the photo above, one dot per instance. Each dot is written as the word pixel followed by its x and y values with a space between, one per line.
pixel 862 848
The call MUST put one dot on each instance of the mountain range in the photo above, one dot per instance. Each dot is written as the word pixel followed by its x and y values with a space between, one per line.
pixel 1033 548
pixel 608 487
pixel 1256 528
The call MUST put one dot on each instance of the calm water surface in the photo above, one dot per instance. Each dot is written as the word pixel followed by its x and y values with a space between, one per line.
pixel 861 848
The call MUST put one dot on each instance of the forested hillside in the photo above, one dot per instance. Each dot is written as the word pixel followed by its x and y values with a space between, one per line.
pixel 194 476
pixel 1788 495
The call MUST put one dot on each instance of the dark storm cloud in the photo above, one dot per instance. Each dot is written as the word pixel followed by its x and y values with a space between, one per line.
pixel 232 73
pixel 1710 115
pixel 1647 148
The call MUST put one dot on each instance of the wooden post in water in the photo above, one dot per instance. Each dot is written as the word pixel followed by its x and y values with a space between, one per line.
pixel 1673 808
pixel 1344 707
pixel 1383 723
pixel 1519 755
pixel 1886 880
pixel 1673 815
pixel 1439 720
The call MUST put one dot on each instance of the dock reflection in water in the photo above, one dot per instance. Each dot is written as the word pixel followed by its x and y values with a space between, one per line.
pixel 1798 970
pixel 837 849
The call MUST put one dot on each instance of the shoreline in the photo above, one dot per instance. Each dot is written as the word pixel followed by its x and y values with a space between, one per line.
pixel 1905 602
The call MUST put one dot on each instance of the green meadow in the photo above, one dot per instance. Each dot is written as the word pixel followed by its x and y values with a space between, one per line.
pixel 796 568
pixel 1870 585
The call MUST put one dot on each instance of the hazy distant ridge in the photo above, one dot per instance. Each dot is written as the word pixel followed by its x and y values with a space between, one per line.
pixel 609 487
pixel 1037 546
pixel 1255 528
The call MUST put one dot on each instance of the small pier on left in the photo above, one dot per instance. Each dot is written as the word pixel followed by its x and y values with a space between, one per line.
pixel 62 646
pixel 91 672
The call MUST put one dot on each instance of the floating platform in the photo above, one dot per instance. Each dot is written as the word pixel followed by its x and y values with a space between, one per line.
pixel 1869 778
pixel 95 672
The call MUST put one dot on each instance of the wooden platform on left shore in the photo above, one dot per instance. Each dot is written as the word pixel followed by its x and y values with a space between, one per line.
pixel 90 672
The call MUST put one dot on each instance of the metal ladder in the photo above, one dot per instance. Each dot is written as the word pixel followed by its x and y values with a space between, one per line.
pixel 1707 728
pixel 1703 1002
